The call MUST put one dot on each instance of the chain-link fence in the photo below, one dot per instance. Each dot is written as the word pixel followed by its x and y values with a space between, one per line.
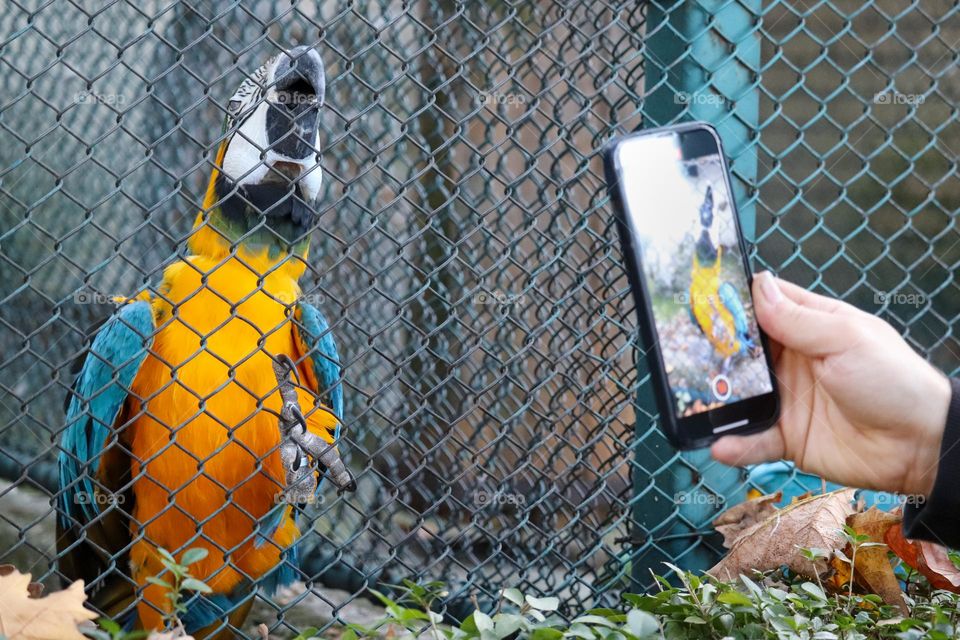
pixel 497 416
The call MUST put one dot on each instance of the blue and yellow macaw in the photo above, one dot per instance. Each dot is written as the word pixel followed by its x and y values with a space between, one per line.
pixel 715 306
pixel 172 438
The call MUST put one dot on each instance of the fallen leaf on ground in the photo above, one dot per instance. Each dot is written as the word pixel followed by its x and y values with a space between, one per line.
pixel 872 569
pixel 840 578
pixel 802 496
pixel 52 617
pixel 816 522
pixel 732 522
pixel 929 558
pixel 35 589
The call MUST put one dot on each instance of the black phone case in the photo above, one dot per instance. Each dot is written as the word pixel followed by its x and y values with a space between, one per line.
pixel 645 317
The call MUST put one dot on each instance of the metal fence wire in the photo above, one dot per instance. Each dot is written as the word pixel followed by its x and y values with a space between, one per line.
pixel 497 413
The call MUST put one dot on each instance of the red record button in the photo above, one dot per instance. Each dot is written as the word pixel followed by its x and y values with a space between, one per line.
pixel 721 388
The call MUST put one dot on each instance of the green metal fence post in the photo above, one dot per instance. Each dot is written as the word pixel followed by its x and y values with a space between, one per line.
pixel 701 62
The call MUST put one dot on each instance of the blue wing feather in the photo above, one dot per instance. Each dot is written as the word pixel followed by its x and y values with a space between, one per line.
pixel 99 393
pixel 731 300
pixel 315 334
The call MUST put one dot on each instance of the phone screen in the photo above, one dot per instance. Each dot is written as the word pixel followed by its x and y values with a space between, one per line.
pixel 679 207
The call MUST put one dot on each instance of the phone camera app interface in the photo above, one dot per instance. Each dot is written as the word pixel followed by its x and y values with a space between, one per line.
pixel 681 213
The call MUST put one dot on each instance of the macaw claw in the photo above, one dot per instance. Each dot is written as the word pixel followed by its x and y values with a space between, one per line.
pixel 298 445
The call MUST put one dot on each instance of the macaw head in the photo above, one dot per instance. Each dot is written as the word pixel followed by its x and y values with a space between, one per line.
pixel 266 177
pixel 706 247
pixel 706 209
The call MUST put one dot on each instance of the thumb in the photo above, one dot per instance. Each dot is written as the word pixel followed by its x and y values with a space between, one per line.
pixel 739 451
pixel 795 323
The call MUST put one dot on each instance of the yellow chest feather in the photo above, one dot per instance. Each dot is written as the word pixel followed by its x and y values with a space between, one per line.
pixel 209 376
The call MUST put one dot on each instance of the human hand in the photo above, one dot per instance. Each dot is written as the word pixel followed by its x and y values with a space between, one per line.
pixel 858 405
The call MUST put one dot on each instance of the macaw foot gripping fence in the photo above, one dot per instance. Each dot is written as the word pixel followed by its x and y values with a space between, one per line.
pixel 497 414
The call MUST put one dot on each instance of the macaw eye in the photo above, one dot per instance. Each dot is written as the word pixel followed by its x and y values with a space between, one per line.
pixel 233 107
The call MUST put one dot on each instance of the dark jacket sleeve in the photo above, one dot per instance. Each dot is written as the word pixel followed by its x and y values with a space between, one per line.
pixel 938 517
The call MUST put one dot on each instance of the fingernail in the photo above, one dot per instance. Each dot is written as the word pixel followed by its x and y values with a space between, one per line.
pixel 769 288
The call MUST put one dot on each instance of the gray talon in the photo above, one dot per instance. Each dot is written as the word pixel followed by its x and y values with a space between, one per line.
pixel 297 444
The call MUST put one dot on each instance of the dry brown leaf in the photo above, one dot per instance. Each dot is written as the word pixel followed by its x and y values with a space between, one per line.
pixel 53 617
pixel 816 522
pixel 839 580
pixel 801 497
pixel 929 558
pixel 732 522
pixel 872 567
pixel 35 589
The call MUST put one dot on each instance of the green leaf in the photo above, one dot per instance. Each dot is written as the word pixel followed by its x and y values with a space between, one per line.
pixel 596 620
pixel 814 590
pixel 694 620
pixel 191 556
pixel 546 633
pixel 642 601
pixel 536 615
pixel 889 621
pixel 360 630
pixel 312 632
pixel 641 624
pixel 384 600
pixel 735 598
pixel 610 614
pixel 482 621
pixel 578 630
pixel 750 585
pixel 814 553
pixel 513 595
pixel 469 625
pixel 159 582
pixel 166 555
pixel 408 615
pixel 109 625
pixel 192 584
pixel 506 624
pixel 543 604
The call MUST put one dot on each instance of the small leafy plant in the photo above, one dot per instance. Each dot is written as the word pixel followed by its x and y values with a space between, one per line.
pixel 774 605
pixel 179 582
pixel 777 604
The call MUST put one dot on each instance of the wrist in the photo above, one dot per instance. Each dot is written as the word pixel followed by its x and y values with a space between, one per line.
pixel 931 420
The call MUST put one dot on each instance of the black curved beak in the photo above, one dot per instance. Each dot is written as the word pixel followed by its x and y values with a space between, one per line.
pixel 294 114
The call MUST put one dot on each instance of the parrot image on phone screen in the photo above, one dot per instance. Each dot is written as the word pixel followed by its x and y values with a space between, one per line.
pixel 716 307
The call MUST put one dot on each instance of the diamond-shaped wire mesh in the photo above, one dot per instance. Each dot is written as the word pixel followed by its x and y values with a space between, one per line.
pixel 496 419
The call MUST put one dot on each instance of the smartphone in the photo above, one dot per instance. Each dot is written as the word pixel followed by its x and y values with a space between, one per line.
pixel 687 265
